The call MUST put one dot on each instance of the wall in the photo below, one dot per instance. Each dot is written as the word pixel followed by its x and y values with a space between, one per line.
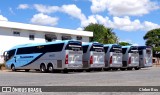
pixel 8 40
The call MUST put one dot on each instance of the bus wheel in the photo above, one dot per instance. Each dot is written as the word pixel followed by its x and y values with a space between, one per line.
pixel 65 71
pixel 106 69
pixel 26 70
pixel 88 70
pixel 136 68
pixel 114 69
pixel 43 68
pixel 122 69
pixel 50 68
pixel 13 68
pixel 129 68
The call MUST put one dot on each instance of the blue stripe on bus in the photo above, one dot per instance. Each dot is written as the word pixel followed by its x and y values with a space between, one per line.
pixel 33 60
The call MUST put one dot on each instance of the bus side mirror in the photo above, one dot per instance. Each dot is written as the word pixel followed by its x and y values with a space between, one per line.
pixel 5 55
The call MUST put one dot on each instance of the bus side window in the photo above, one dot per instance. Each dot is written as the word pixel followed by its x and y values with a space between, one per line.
pixel 106 49
pixel 85 48
pixel 124 50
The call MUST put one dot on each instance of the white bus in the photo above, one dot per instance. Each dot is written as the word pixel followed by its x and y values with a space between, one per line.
pixel 93 56
pixel 50 56
pixel 130 58
pixel 145 56
pixel 113 56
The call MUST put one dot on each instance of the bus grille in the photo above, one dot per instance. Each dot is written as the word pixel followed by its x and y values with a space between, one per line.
pixel 59 63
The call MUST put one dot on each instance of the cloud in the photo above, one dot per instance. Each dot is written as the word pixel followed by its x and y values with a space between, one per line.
pixel 73 11
pixel 124 23
pixel 149 25
pixel 2 18
pixel 124 7
pixel 43 19
pixel 46 9
pixel 23 6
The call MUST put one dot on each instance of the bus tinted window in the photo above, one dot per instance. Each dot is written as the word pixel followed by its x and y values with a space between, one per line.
pixel 74 46
pixel 106 49
pixel 124 50
pixel 85 48
pixel 133 50
pixel 116 49
pixel 41 49
pixel 97 47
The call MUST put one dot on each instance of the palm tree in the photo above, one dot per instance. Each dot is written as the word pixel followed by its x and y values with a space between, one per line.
pixel 102 34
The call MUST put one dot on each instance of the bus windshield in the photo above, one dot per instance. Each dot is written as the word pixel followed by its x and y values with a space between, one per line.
pixel 116 48
pixel 74 45
pixel 97 48
pixel 8 55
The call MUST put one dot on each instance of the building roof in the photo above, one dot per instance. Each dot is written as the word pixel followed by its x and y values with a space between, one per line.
pixel 31 27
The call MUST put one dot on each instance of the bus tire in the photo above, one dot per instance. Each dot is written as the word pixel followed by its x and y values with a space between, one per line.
pixel 137 68
pixel 43 68
pixel 50 68
pixel 122 69
pixel 88 70
pixel 26 70
pixel 114 69
pixel 129 68
pixel 65 71
pixel 106 69
pixel 13 68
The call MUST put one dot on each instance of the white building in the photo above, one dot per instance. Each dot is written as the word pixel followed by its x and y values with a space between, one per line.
pixel 13 33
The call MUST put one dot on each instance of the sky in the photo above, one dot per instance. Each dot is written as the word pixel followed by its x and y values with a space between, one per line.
pixel 129 19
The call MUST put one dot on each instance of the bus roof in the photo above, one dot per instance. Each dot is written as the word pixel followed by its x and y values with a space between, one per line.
pixel 111 44
pixel 143 47
pixel 36 44
pixel 90 43
pixel 128 46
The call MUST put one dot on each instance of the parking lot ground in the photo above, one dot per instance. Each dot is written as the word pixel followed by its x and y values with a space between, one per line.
pixel 144 77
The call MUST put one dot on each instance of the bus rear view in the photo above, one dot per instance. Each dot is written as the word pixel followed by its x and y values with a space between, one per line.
pixel 93 56
pixel 113 56
pixel 145 56
pixel 130 57
pixel 73 55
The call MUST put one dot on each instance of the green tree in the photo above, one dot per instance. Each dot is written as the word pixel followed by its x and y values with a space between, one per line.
pixel 124 43
pixel 152 38
pixel 102 34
